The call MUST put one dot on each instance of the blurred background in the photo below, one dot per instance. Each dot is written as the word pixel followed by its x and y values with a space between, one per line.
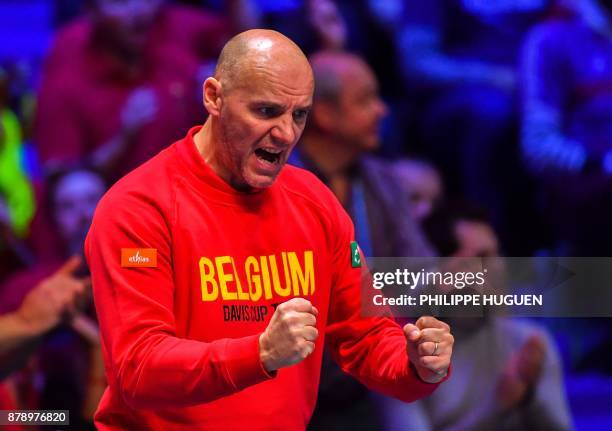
pixel 450 127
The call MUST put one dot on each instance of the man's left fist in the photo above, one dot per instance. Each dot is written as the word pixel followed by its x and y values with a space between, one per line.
pixel 430 345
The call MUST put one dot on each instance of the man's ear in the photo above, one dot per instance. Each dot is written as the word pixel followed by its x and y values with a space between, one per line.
pixel 212 95
pixel 323 116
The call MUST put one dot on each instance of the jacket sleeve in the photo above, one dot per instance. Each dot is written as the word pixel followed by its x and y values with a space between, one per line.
pixel 146 363
pixel 371 349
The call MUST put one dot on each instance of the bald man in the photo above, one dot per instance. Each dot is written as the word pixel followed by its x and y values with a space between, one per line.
pixel 343 131
pixel 219 272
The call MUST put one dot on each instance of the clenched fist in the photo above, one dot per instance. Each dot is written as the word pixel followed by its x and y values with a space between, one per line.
pixel 290 335
pixel 430 345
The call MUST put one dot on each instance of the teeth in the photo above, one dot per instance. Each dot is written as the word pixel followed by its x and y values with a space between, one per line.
pixel 272 150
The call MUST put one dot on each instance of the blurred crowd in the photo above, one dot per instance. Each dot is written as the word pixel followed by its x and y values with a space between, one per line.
pixel 473 128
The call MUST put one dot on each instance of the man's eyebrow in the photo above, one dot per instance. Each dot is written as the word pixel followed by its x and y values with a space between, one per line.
pixel 279 106
pixel 268 103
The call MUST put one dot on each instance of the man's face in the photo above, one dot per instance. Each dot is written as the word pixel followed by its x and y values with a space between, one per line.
pixel 360 109
pixel 261 120
pixel 479 244
pixel 75 199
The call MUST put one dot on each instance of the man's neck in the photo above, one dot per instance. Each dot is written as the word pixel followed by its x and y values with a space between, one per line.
pixel 332 160
pixel 206 140
pixel 203 137
pixel 329 157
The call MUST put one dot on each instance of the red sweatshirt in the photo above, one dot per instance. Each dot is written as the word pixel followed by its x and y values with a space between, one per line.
pixel 186 273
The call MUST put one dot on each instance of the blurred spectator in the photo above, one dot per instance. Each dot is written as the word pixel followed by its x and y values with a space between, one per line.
pixel 40 310
pixel 242 14
pixel 344 127
pixel 16 194
pixel 453 43
pixel 567 124
pixel 329 25
pixel 20 331
pixel 366 28
pixel 14 254
pixel 126 65
pixel 423 183
pixel 362 27
pixel 460 57
pixel 69 356
pixel 506 372
pixel 74 198
pixel 372 29
pixel 22 98
pixel 314 25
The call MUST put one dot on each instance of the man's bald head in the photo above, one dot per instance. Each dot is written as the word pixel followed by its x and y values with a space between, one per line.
pixel 346 105
pixel 258 102
pixel 331 70
pixel 256 50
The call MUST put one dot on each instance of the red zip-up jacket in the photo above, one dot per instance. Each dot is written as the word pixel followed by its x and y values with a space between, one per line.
pixel 186 274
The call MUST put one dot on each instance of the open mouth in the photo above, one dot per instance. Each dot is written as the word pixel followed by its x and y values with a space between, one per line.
pixel 268 155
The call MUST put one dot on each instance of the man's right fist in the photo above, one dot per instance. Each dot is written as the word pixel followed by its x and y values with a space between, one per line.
pixel 290 335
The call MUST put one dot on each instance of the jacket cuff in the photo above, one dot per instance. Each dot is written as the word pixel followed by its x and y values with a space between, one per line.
pixel 244 366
